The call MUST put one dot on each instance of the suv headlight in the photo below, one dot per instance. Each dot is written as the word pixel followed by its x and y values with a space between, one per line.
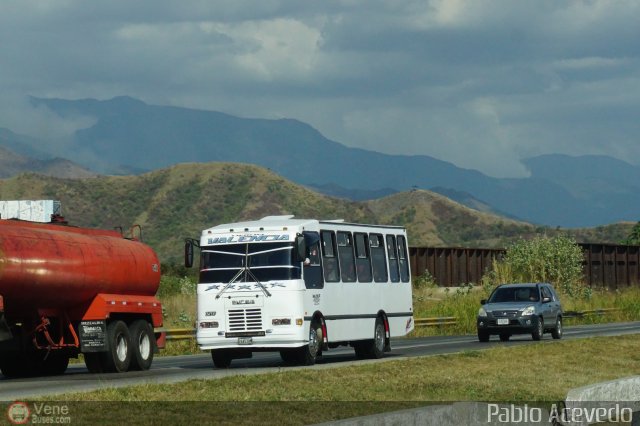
pixel 482 312
pixel 529 310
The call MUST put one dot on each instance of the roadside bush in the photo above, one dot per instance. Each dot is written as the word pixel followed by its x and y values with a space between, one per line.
pixel 426 280
pixel 557 260
pixel 172 285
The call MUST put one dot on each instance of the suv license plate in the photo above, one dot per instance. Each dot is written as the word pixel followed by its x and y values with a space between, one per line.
pixel 503 321
pixel 245 340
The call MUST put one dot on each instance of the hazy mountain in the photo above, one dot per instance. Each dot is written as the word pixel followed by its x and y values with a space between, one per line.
pixel 470 201
pixel 352 194
pixel 12 164
pixel 130 134
pixel 23 145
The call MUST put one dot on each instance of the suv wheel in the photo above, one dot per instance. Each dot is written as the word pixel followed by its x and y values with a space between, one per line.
pixel 539 331
pixel 556 333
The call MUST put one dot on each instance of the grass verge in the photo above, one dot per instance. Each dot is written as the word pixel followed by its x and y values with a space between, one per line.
pixel 463 303
pixel 505 373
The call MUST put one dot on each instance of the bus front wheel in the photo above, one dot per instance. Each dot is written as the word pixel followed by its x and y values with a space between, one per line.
pixel 308 353
pixel 221 358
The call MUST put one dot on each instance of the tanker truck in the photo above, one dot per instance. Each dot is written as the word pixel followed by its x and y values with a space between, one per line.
pixel 67 290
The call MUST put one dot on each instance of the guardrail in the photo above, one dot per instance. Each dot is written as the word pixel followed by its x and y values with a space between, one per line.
pixel 179 333
pixel 591 312
pixel 190 333
pixel 435 322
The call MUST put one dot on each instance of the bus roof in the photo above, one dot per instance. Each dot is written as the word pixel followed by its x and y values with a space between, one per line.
pixel 268 223
pixel 276 223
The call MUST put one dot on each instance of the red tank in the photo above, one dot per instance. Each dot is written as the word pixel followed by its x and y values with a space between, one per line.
pixel 59 267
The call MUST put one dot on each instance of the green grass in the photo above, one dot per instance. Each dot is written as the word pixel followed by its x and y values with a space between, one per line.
pixel 535 372
pixel 463 303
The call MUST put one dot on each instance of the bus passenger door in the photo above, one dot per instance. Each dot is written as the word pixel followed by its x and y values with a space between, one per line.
pixel 312 270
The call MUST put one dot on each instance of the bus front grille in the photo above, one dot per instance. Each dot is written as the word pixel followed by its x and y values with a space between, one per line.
pixel 244 319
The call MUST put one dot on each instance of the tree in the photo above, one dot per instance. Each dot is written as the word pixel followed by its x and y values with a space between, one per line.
pixel 556 260
pixel 633 239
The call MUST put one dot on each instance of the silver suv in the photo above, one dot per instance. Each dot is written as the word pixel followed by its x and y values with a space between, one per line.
pixel 521 308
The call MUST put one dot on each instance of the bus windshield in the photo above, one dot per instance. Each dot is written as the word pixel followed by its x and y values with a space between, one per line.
pixel 265 261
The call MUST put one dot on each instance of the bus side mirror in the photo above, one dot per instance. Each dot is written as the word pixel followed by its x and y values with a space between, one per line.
pixel 188 254
pixel 300 248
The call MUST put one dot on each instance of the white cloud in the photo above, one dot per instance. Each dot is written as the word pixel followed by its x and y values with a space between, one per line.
pixel 477 83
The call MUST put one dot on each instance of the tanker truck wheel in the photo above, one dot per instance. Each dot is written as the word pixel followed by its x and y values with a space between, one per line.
pixel 54 363
pixel 143 345
pixel 13 365
pixel 93 361
pixel 118 357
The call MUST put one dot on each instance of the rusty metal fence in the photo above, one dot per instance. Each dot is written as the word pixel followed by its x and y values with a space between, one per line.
pixel 605 265
pixel 452 266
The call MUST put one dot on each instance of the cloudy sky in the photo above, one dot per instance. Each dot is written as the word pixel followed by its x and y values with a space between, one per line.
pixel 478 83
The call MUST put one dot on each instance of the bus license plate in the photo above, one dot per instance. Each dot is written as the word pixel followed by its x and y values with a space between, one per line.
pixel 245 340
pixel 503 321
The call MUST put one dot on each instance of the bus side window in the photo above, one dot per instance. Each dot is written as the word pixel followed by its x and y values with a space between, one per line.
pixel 345 254
pixel 402 257
pixel 363 260
pixel 378 258
pixel 329 259
pixel 393 259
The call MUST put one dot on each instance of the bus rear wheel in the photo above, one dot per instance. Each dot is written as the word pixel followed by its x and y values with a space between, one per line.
pixel 373 348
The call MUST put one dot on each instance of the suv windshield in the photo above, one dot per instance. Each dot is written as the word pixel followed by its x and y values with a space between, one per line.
pixel 266 261
pixel 515 294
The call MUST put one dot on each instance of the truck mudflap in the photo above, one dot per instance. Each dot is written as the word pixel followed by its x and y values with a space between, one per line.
pixel 5 332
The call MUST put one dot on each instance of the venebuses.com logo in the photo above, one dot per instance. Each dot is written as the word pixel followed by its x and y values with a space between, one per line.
pixel 20 413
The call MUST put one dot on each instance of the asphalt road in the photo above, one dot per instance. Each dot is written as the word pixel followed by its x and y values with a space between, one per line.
pixel 180 368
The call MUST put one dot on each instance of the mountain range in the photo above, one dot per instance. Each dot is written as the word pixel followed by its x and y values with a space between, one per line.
pixel 180 201
pixel 128 136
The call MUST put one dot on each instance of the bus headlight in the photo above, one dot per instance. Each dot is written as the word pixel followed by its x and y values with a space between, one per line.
pixel 209 324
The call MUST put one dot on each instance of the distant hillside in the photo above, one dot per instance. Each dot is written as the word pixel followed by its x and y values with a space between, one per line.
pixel 180 201
pixel 434 220
pixel 334 190
pixel 12 164
pixel 470 201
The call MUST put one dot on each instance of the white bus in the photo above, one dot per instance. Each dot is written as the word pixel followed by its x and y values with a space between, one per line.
pixel 301 287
